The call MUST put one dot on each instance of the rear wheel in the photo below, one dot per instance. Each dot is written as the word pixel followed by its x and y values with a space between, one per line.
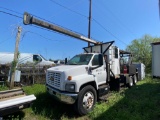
pixel 130 84
pixel 134 79
pixel 86 100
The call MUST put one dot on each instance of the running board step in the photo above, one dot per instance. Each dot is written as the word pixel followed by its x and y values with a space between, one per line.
pixel 103 90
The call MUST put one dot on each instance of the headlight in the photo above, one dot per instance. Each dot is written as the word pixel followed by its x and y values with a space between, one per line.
pixel 70 87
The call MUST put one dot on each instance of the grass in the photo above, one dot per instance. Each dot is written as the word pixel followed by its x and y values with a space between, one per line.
pixel 3 88
pixel 140 102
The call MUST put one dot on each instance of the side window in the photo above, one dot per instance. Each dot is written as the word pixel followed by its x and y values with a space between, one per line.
pixel 37 58
pixel 116 52
pixel 95 60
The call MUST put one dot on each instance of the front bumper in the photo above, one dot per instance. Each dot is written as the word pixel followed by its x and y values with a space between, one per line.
pixel 65 97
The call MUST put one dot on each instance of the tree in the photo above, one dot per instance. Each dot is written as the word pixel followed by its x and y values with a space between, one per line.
pixel 141 49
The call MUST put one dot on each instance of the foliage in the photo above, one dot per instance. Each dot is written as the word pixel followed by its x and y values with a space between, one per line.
pixel 2 88
pixel 141 49
pixel 14 64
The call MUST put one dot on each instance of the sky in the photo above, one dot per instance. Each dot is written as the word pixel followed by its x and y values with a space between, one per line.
pixel 118 20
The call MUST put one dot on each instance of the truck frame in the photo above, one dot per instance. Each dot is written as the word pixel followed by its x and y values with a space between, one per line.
pixel 90 75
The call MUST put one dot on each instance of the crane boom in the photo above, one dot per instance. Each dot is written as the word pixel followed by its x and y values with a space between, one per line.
pixel 28 19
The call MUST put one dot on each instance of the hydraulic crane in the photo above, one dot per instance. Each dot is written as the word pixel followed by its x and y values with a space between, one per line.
pixel 28 19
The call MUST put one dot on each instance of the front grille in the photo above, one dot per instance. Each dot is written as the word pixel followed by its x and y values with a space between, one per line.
pixel 53 79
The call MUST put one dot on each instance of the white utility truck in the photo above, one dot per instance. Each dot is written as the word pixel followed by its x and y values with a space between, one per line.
pixel 89 75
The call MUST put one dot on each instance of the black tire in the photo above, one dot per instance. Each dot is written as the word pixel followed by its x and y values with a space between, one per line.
pixel 135 79
pixel 130 84
pixel 87 94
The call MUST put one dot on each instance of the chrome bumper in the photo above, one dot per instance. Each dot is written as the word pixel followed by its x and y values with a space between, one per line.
pixel 68 98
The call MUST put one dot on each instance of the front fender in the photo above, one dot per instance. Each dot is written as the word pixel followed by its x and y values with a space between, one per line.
pixel 83 79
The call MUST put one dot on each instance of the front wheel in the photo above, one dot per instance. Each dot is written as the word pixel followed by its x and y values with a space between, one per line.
pixel 86 100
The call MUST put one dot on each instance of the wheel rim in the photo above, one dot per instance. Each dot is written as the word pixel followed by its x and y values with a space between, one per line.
pixel 88 100
pixel 135 79
pixel 131 82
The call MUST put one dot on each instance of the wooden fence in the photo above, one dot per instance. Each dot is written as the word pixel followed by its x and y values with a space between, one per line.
pixel 29 74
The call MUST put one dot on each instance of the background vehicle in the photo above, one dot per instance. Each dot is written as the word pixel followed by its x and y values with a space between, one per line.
pixel 39 60
pixel 26 62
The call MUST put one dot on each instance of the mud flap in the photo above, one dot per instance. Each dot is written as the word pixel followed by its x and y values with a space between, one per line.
pixel 114 84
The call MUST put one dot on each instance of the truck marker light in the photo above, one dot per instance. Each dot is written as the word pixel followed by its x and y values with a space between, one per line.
pixel 69 78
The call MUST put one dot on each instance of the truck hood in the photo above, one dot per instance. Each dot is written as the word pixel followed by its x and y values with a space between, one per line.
pixel 70 70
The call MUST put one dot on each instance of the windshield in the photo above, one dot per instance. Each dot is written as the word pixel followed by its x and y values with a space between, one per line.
pixel 82 59
pixel 43 58
pixel 125 59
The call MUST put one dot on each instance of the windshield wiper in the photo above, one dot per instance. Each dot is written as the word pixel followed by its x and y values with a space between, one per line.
pixel 73 64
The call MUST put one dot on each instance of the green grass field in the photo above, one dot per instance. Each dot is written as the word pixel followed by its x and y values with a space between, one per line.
pixel 141 102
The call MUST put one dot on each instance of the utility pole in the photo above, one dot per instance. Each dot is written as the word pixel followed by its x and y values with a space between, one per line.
pixel 89 23
pixel 14 63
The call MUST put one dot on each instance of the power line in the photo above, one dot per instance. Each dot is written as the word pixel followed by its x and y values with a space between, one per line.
pixel 98 23
pixel 118 20
pixel 35 16
pixel 79 1
pixel 108 31
pixel 57 32
pixel 11 14
pixel 38 35
pixel 5 40
pixel 92 19
pixel 45 19
pixel 11 10
pixel 52 23
pixel 69 9
pixel 21 14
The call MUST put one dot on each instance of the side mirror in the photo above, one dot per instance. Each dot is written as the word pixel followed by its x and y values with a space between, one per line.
pixel 92 68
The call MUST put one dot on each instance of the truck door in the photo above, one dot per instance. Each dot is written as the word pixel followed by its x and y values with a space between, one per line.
pixel 99 69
